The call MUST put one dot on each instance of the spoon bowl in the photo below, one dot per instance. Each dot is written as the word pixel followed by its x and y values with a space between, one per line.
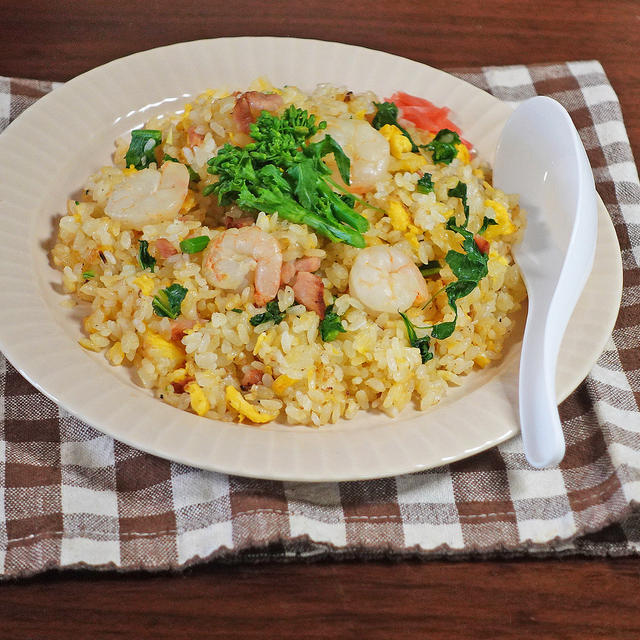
pixel 540 157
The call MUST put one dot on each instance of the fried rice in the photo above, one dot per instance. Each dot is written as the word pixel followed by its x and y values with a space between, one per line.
pixel 211 359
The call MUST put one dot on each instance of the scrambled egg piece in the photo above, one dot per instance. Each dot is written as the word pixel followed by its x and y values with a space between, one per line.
pixel 504 225
pixel 413 239
pixel 235 399
pixel 199 401
pixel 398 142
pixel 410 162
pixel 262 338
pixel 494 255
pixel 156 346
pixel 481 360
pixel 463 153
pixel 282 383
pixel 398 215
pixel 145 282
pixel 412 236
pixel 400 147
pixel 129 170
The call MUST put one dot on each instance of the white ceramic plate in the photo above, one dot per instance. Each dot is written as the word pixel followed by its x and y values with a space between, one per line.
pixel 49 151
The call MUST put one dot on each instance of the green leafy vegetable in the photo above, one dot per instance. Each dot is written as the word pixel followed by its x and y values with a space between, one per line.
pixel 443 146
pixel 387 113
pixel 486 223
pixel 455 290
pixel 272 313
pixel 145 260
pixel 273 199
pixel 424 184
pixel 431 268
pixel 194 176
pixel 348 198
pixel 422 344
pixel 194 245
pixel 167 302
pixel 87 275
pixel 460 191
pixel 280 172
pixel 468 267
pixel 236 310
pixel 284 134
pixel 317 150
pixel 331 325
pixel 141 150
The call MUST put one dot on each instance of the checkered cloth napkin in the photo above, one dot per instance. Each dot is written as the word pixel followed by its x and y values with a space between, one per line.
pixel 71 496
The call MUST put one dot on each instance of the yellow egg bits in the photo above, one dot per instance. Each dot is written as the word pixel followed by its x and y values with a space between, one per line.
pixel 235 400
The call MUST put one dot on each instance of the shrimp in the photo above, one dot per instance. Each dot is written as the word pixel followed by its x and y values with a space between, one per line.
pixel 239 256
pixel 149 196
pixel 384 278
pixel 366 147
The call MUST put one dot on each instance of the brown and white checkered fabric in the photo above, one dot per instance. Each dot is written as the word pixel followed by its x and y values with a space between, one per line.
pixel 71 496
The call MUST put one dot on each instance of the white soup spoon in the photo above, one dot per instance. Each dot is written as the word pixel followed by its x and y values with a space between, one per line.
pixel 540 156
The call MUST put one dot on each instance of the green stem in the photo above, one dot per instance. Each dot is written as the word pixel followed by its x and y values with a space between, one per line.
pixel 346 191
pixel 342 211
pixel 431 299
pixel 289 209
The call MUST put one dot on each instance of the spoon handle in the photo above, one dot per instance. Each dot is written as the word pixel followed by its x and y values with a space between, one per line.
pixel 543 440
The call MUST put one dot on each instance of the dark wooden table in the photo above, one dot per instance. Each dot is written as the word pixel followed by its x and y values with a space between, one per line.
pixel 558 598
